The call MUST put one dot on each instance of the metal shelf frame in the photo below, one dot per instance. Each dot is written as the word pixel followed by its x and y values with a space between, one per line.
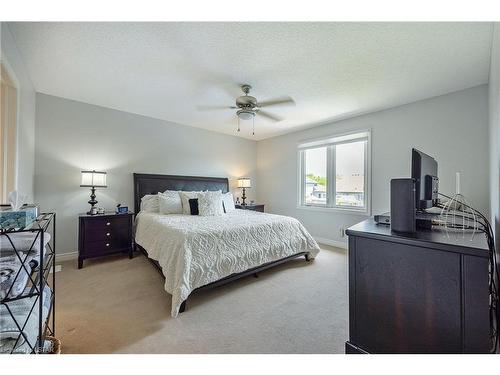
pixel 39 279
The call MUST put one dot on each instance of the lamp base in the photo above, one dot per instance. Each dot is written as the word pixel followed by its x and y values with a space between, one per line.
pixel 92 202
pixel 243 197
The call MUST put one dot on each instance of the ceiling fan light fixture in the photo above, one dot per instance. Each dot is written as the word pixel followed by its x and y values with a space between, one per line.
pixel 245 115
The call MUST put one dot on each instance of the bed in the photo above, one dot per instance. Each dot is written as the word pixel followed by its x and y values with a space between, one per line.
pixel 196 252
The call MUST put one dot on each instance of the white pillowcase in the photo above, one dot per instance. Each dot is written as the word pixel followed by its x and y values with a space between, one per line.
pixel 185 197
pixel 210 203
pixel 170 202
pixel 149 203
pixel 228 202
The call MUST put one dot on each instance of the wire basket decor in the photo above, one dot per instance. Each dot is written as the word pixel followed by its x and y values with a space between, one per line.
pixel 457 217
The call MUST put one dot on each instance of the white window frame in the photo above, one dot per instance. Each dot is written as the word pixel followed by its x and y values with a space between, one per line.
pixel 330 143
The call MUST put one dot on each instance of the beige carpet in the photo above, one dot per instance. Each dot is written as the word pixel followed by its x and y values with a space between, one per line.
pixel 117 305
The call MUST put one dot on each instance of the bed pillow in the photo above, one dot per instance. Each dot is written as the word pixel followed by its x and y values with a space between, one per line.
pixel 228 202
pixel 170 202
pixel 185 197
pixel 210 203
pixel 193 205
pixel 149 203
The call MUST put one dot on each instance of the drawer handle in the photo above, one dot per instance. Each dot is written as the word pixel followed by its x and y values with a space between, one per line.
pixel 108 223
pixel 107 234
pixel 107 245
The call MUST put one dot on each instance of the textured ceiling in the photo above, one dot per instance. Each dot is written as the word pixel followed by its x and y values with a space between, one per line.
pixel 332 70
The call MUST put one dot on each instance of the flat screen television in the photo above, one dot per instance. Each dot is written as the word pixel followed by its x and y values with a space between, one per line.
pixel 424 169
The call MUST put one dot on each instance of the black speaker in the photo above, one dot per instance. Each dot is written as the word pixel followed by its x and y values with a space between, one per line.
pixel 403 205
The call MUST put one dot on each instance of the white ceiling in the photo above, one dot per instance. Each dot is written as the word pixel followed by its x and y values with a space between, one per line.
pixel 332 70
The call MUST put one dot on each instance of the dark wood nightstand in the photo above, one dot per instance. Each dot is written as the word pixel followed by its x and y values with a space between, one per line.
pixel 105 234
pixel 253 207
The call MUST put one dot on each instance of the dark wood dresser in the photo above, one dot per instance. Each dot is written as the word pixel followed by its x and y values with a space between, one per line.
pixel 253 207
pixel 105 234
pixel 421 293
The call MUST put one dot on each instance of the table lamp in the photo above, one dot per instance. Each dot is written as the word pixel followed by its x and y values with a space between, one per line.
pixel 244 183
pixel 93 179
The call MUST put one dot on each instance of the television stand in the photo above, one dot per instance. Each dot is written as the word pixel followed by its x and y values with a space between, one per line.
pixel 418 293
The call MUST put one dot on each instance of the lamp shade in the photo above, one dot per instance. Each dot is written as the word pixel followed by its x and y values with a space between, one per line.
pixel 244 182
pixel 93 179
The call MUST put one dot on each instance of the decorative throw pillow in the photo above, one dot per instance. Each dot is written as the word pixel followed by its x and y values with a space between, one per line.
pixel 185 197
pixel 210 203
pixel 193 205
pixel 149 203
pixel 170 202
pixel 228 202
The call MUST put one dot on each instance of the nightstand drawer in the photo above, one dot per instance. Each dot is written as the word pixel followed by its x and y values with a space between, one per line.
pixel 94 233
pixel 104 224
pixel 251 207
pixel 103 247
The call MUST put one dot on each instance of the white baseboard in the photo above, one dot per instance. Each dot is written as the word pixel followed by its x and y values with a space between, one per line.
pixel 334 243
pixel 66 256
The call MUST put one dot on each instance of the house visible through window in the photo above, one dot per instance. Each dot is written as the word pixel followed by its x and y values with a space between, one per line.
pixel 334 172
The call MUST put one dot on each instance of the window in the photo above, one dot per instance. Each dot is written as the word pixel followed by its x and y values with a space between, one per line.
pixel 315 160
pixel 334 172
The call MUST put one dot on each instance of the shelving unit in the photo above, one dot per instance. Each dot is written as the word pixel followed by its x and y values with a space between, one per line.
pixel 27 303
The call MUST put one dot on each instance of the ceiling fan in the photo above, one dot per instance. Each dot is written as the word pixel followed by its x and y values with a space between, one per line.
pixel 247 107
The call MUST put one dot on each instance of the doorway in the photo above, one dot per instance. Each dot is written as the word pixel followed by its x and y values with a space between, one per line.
pixel 8 133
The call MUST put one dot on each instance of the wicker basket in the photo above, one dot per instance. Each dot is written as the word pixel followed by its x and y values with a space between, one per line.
pixel 56 345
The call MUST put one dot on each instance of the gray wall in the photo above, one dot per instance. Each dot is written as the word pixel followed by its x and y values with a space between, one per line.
pixel 453 128
pixel 26 118
pixel 494 96
pixel 73 136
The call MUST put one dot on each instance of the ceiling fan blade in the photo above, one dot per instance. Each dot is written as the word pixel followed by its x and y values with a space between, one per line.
pixel 213 107
pixel 283 100
pixel 269 115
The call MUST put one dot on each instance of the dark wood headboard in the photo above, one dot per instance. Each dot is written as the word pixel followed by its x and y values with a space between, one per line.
pixel 153 183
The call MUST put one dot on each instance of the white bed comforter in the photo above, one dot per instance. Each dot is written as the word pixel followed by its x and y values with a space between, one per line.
pixel 194 250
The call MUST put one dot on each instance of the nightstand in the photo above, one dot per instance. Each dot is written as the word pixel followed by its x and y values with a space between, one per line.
pixel 253 207
pixel 105 234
